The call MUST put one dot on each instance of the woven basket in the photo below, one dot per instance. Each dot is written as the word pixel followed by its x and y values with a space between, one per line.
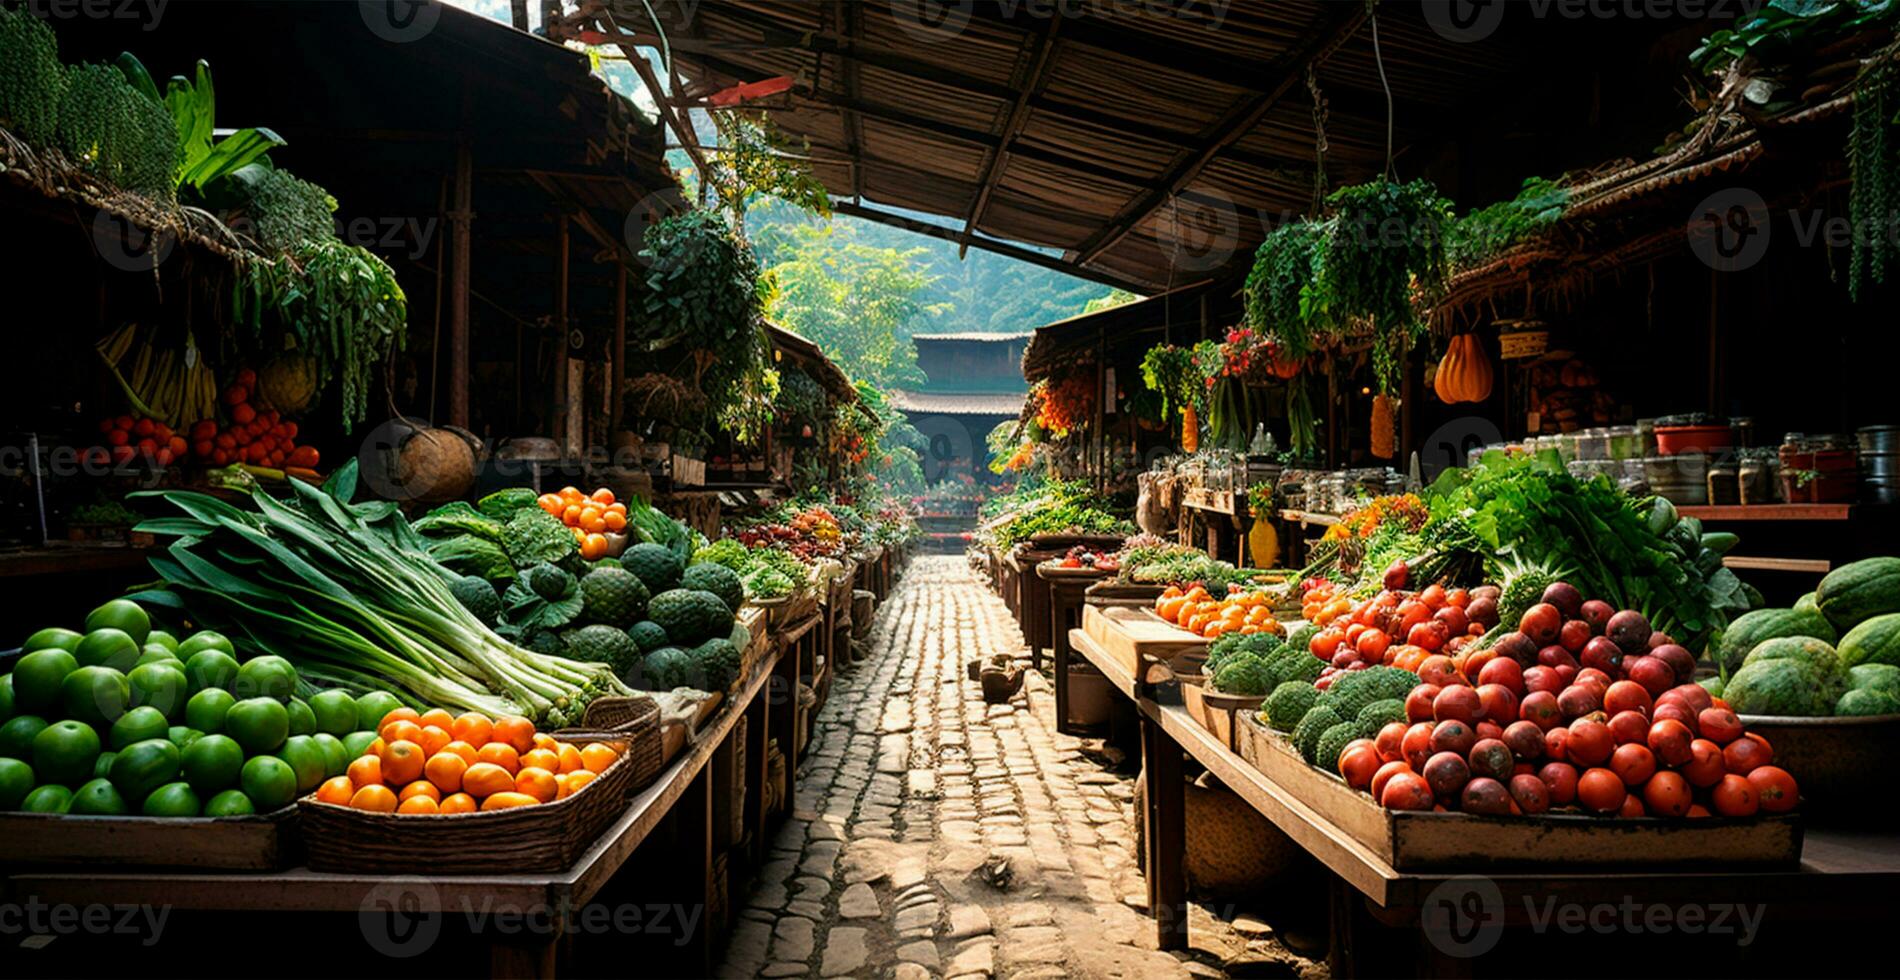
pixel 634 720
pixel 545 837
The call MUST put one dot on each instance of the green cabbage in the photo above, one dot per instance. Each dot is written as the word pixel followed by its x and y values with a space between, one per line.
pixel 533 536
pixel 467 554
pixel 502 504
pixel 459 518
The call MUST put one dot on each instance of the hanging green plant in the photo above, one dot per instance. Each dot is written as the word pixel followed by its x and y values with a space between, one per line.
pixel 1873 158
pixel 32 81
pixel 1384 263
pixel 1274 292
pixel 109 129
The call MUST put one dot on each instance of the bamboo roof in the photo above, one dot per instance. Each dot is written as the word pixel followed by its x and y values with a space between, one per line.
pixel 939 403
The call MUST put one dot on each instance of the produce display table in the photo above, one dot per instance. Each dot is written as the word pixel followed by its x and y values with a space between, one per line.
pixel 685 790
pixel 1840 870
pixel 1067 587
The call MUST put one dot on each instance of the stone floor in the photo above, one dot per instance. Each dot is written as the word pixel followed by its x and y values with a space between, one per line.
pixel 936 836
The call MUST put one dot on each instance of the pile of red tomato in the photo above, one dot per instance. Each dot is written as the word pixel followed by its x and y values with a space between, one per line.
pixel 1396 628
pixel 1582 706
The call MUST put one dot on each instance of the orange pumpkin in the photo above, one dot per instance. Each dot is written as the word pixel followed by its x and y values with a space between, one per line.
pixel 1465 374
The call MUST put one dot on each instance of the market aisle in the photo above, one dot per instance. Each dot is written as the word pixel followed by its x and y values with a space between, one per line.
pixel 939 836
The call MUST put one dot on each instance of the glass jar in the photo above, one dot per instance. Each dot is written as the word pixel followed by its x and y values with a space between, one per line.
pixel 1724 487
pixel 1593 444
pixel 1760 477
pixel 1624 443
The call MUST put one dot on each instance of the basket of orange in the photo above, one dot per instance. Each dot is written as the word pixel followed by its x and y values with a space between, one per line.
pixel 438 793
pixel 597 520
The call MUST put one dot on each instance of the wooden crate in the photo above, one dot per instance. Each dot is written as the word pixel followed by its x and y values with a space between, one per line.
pixel 1419 841
pixel 1218 713
pixel 1149 648
pixel 263 842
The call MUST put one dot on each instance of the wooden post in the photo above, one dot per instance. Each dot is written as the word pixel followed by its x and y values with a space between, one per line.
pixel 460 220
pixel 558 423
pixel 1332 411
pixel 518 9
pixel 1165 838
pixel 616 400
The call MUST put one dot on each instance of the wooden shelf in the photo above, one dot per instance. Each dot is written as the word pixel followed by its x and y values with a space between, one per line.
pixel 1309 517
pixel 69 559
pixel 1769 512
pixel 1809 566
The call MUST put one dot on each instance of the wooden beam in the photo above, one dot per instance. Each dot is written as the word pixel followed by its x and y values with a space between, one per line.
pixel 851 19
pixel 1232 125
pixel 518 13
pixel 1016 252
pixel 681 128
pixel 461 220
pixel 1040 55
pixel 616 402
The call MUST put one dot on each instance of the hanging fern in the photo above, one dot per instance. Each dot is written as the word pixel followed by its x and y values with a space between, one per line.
pixel 1874 161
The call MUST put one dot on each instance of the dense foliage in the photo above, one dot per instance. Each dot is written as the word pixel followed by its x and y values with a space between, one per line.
pixel 32 80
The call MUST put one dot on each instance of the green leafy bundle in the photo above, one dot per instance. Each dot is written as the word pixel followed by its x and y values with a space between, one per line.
pixel 110 129
pixel 1169 370
pixel 339 303
pixel 1287 262
pixel 348 593
pixel 289 211
pixel 32 81
pixel 1485 232
pixel 1384 257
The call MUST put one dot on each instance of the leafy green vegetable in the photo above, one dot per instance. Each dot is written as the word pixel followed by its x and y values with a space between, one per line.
pixel 534 537
pixel 458 517
pixel 725 551
pixel 544 597
pixel 502 504
pixel 471 554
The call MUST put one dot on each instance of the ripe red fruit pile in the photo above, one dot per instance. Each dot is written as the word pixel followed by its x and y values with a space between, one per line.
pixel 257 437
pixel 1396 628
pixel 1581 707
pixel 128 438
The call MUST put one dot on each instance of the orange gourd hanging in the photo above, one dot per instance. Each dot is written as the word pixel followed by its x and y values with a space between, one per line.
pixel 1465 374
pixel 1441 379
pixel 1190 428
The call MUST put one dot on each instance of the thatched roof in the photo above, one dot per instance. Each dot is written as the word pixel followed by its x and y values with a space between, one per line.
pixel 933 403
pixel 1124 136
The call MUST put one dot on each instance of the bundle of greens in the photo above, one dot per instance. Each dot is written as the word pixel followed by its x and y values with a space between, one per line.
pixel 113 131
pixel 338 303
pixel 348 594
pixel 32 81
pixel 287 211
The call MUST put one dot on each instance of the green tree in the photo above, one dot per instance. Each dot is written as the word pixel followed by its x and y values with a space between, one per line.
pixel 858 302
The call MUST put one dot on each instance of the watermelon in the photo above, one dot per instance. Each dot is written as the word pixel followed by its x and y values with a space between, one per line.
pixel 1857 592
pixel 1874 641
pixel 1751 629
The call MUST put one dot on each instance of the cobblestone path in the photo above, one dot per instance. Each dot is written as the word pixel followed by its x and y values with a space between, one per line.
pixel 937 836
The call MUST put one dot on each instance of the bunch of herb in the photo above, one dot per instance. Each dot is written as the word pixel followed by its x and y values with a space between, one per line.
pixel 338 303
pixel 110 129
pixel 1286 262
pixel 1170 371
pixel 32 80
pixel 1873 157
pixel 1385 253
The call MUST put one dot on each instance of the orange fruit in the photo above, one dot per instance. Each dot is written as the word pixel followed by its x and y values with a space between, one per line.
pixel 400 730
pixel 463 749
pixel 419 804
pixel 597 756
pixel 458 803
pixel 472 728
pixel 542 759
pixel 336 789
pixel 485 779
pixel 404 713
pixel 366 771
pixel 1170 609
pixel 570 758
pixel 538 783
pixel 499 754
pixel 375 747
pixel 1170 592
pixel 594 546
pixel 614 521
pixel 377 798
pixel 571 782
pixel 420 787
pixel 445 771
pixel 543 740
pixel 433 739
pixel 505 800
pixel 437 717
pixel 571 494
pixel 603 496
pixel 516 731
pixel 402 762
pixel 1215 629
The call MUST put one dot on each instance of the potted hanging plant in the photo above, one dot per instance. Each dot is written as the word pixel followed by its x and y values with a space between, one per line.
pixel 1170 371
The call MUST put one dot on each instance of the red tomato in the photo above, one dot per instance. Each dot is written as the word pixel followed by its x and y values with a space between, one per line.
pixel 1632 807
pixel 1384 775
pixel 1530 794
pixel 1590 742
pixel 1633 763
pixel 1626 696
pixel 1746 754
pixel 1735 796
pixel 1433 595
pixel 1417 744
pixel 1719 725
pixel 1406 791
pixel 1601 791
pixel 1372 645
pixel 1430 635
pixel 1667 794
pixel 1359 764
pixel 1390 742
pixel 1774 788
pixel 1670 740
pixel 1705 767
pixel 1458 704
pixel 1438 669
pixel 1561 777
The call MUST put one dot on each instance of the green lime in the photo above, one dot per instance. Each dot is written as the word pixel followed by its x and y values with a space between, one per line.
pixel 16 736
pixel 50 798
pixel 53 637
pixel 336 758
pixel 16 780
pixel 123 615
pixel 108 647
pixel 171 800
pixel 266 677
pixel 269 782
pixel 259 724
pixel 212 763
pixel 95 695
pixel 335 712
pixel 162 686
pixel 207 709
pixel 183 735
pixel 371 707
pixel 303 721
pixel 102 766
pixel 156 655
pixel 306 758
pixel 99 798
pixel 6 696
pixel 37 676
pixel 208 668
pixel 64 752
pixel 356 743
pixel 206 640
pixel 230 803
pixel 163 639
pixel 145 766
pixel 137 725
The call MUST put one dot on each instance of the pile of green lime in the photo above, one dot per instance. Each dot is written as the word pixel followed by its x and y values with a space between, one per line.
pixel 121 718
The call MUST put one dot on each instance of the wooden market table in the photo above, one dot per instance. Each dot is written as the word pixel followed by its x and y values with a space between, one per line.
pixel 695 789
pixel 1840 868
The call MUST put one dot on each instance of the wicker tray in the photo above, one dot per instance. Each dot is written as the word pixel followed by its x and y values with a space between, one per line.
pixel 634 720
pixel 545 837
